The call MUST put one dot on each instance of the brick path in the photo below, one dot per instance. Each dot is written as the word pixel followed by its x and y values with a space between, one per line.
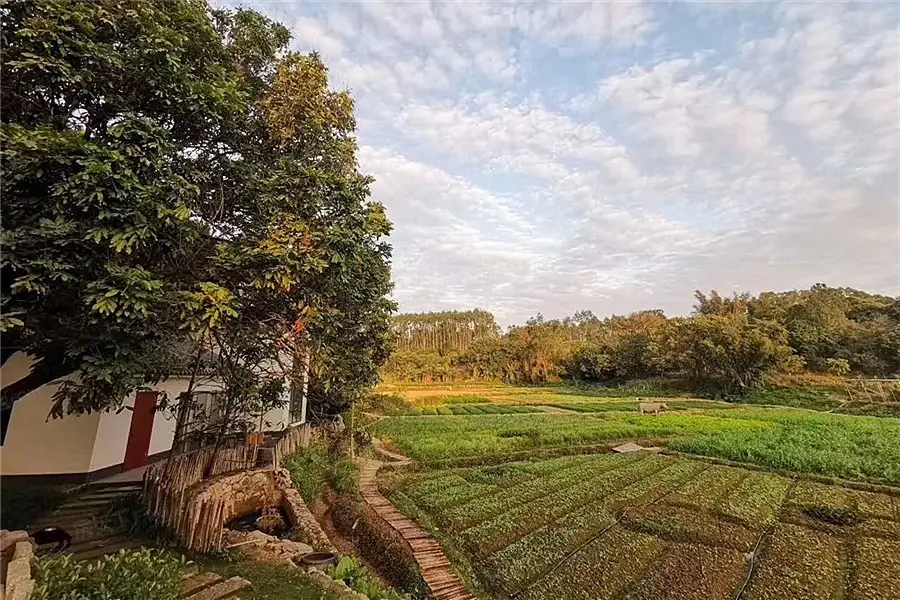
pixel 437 571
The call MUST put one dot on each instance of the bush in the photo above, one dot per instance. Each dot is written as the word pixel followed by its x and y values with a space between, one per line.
pixel 314 469
pixel 132 574
pixel 358 579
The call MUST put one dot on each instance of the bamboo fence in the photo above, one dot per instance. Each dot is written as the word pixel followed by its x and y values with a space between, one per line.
pixel 171 499
pixel 291 441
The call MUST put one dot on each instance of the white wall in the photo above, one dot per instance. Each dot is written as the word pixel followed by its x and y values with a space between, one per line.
pixel 112 434
pixel 35 445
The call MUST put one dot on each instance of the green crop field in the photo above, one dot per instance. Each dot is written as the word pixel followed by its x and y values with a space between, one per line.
pixel 848 447
pixel 655 526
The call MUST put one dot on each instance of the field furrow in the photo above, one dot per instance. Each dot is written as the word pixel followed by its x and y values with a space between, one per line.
pixel 601 569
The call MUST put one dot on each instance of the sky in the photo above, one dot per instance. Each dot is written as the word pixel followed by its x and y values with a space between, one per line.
pixel 616 156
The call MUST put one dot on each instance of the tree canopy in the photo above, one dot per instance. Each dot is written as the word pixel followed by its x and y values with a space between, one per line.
pixel 728 344
pixel 174 177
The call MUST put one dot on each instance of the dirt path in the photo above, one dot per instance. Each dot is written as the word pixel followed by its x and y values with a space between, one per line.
pixel 437 571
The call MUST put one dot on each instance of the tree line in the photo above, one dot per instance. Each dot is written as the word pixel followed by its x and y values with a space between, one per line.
pixel 727 344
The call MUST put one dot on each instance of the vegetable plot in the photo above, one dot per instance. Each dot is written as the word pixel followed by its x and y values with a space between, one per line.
pixel 647 526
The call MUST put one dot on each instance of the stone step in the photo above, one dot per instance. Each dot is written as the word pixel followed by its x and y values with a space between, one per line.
pixel 197 582
pixel 223 589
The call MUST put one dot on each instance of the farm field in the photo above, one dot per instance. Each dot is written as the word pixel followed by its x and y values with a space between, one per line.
pixel 652 526
pixel 848 447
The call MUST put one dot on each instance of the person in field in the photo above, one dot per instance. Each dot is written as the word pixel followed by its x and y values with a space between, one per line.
pixel 651 407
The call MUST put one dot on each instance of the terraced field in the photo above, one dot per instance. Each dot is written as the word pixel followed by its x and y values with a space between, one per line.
pixel 648 526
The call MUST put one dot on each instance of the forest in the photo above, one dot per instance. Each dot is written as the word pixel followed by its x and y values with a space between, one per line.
pixel 727 345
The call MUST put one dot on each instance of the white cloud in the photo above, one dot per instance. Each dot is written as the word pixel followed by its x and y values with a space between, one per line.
pixel 546 157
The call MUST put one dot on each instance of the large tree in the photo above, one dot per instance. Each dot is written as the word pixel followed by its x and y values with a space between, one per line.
pixel 175 179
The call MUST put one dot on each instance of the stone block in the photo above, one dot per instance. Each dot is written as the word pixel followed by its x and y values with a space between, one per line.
pixel 9 539
pixel 20 591
pixel 17 571
pixel 24 549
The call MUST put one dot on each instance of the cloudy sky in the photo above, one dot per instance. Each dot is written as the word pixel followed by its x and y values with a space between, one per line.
pixel 616 156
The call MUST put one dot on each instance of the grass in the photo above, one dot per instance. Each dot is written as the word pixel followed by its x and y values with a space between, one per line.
pixel 313 470
pixel 848 447
pixel 470 409
pixel 270 582
pixel 617 406
pixel 650 526
pixel 813 398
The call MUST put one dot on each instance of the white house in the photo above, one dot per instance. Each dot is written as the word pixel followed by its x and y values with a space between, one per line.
pixel 79 448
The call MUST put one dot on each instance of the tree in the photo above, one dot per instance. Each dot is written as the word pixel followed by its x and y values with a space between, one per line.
pixel 101 104
pixel 730 353
pixel 243 224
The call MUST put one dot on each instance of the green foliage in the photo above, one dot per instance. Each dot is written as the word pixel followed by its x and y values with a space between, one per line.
pixel 270 581
pixel 815 398
pixel 135 574
pixel 315 469
pixel 358 579
pixel 729 346
pixel 442 332
pixel 175 180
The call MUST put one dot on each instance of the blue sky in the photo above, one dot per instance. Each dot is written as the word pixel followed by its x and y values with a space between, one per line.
pixel 549 157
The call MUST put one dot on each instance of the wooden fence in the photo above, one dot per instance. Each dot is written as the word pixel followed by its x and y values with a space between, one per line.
pixel 168 496
pixel 292 441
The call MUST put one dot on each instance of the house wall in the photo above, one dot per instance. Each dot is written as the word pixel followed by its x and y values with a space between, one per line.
pixel 36 445
pixel 80 444
pixel 112 434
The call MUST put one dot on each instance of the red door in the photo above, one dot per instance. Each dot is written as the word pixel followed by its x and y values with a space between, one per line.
pixel 141 427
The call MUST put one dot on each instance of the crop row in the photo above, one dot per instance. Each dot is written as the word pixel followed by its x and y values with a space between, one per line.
pixel 601 407
pixel 797 563
pixel 705 491
pixel 527 559
pixel 488 506
pixel 689 572
pixel 756 500
pixel 502 530
pixel 601 569
pixel 470 409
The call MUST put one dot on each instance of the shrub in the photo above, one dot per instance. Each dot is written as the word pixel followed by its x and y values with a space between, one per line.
pixel 358 579
pixel 315 468
pixel 134 574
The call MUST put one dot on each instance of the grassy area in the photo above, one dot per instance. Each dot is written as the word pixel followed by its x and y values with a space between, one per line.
pixel 858 448
pixel 270 582
pixel 632 406
pixel 649 526
pixel 814 398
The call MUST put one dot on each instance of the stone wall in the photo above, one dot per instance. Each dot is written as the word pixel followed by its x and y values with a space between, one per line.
pixel 16 582
pixel 241 493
